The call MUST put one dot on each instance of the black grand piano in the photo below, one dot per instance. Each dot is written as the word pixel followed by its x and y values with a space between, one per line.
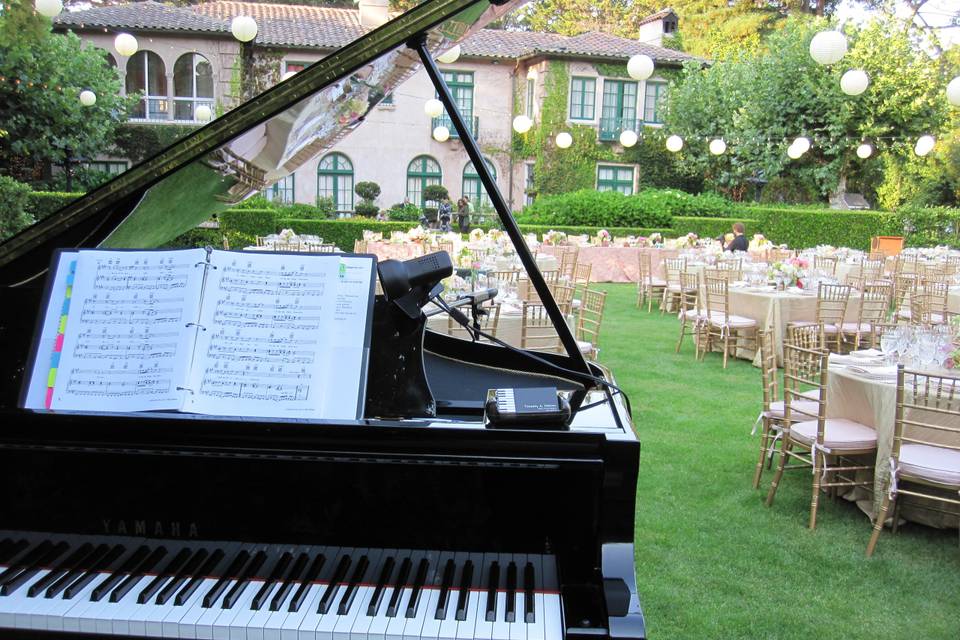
pixel 416 521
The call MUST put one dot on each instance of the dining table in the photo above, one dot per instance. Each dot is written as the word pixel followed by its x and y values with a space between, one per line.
pixel 867 393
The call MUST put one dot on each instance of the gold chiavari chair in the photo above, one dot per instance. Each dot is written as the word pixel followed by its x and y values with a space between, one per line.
pixel 936 272
pixel 320 248
pixel 779 255
pixel 928 304
pixel 648 286
pixel 874 303
pixel 871 272
pixel 552 276
pixel 825 445
pixel 589 321
pixel 581 280
pixel 690 315
pixel 502 278
pixel 260 241
pixel 827 264
pixel 925 457
pixel 489 321
pixel 904 286
pixel 672 268
pixel 719 324
pixel 563 294
pixel 537 332
pixel 832 302
pixel 733 267
pixel 445 246
pixel 567 257
pixel 359 246
pixel 287 246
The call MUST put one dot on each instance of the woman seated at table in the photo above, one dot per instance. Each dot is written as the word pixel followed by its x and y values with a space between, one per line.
pixel 739 242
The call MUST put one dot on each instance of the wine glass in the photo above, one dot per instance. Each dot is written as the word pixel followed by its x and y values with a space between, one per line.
pixel 888 345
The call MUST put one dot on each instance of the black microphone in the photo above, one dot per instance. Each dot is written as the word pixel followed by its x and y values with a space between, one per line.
pixel 477 297
pixel 409 284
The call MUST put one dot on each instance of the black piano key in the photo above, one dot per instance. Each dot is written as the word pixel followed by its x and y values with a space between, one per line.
pixel 292 576
pixel 339 573
pixel 172 568
pixel 9 549
pixel 463 598
pixel 528 586
pixel 493 583
pixel 93 572
pixel 511 608
pixel 418 583
pixel 198 577
pixel 308 579
pixel 17 581
pixel 81 567
pixel 27 560
pixel 244 579
pixel 138 574
pixel 131 563
pixel 351 591
pixel 233 571
pixel 400 584
pixel 377 597
pixel 57 572
pixel 445 585
pixel 275 574
pixel 189 569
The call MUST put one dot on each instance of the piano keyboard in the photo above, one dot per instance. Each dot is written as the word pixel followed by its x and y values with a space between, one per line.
pixel 235 591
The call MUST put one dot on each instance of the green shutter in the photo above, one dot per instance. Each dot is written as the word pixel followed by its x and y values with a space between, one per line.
pixel 582 98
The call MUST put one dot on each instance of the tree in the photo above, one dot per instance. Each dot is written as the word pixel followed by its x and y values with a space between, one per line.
pixel 368 192
pixel 760 102
pixel 41 77
pixel 573 17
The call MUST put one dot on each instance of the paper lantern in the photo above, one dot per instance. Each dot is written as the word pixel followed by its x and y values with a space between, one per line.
pixel 288 75
pixel 854 82
pixel 717 146
pixel 433 108
pixel 243 28
pixel 794 152
pixel 640 67
pixel 953 92
pixel 450 56
pixel 828 47
pixel 522 124
pixel 441 134
pixel 49 8
pixel 864 151
pixel 924 145
pixel 801 143
pixel 88 98
pixel 532 73
pixel 203 113
pixel 564 140
pixel 628 138
pixel 125 44
pixel 674 144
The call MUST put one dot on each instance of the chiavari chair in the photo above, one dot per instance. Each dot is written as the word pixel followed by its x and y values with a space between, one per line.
pixel 690 315
pixel 537 332
pixel 719 324
pixel 928 304
pixel 874 303
pixel 589 321
pixel 648 285
pixel 827 264
pixel 672 268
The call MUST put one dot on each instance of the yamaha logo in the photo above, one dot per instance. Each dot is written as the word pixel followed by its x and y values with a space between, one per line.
pixel 151 528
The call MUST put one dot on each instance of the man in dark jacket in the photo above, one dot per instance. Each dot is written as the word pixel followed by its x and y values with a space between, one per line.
pixel 739 242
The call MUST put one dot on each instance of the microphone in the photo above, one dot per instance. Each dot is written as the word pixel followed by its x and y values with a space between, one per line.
pixel 478 297
pixel 410 284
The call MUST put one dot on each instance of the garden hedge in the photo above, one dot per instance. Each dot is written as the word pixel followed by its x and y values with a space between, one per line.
pixel 41 204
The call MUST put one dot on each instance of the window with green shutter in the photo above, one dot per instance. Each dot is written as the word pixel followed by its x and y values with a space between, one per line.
pixel 421 172
pixel 619 111
pixel 615 178
pixel 335 180
pixel 655 94
pixel 583 97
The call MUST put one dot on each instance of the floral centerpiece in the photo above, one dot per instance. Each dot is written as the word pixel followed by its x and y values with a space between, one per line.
pixel 689 240
pixel 758 243
pixel 656 239
pixel 476 235
pixel 417 234
pixel 554 238
pixel 789 272
pixel 496 235
pixel 286 235
pixel 603 237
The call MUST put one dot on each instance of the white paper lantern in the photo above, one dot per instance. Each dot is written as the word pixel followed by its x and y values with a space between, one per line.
pixel 88 98
pixel 441 134
pixel 564 140
pixel 801 143
pixel 854 82
pixel 203 113
pixel 532 73
pixel 953 92
pixel 864 151
pixel 125 44
pixel 828 47
pixel 674 143
pixel 522 124
pixel 717 146
pixel 628 138
pixel 49 8
pixel 794 152
pixel 243 28
pixel 450 56
pixel 433 108
pixel 924 145
pixel 640 67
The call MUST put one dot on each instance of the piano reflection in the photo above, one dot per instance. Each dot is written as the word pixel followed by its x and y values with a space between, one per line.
pixel 414 522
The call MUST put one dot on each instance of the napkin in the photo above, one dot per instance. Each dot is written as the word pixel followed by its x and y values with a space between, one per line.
pixel 867 353
pixel 859 361
pixel 875 373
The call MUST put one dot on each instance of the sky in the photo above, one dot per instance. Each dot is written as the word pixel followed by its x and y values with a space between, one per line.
pixel 935 12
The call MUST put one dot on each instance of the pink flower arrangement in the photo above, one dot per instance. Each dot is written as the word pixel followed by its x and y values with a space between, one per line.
pixel 800 263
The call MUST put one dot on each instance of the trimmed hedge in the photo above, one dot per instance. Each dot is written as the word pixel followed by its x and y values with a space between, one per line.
pixel 711 227
pixel 41 204
pixel 589 207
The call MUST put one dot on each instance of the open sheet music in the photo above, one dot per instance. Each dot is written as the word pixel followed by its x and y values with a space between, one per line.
pixel 205 331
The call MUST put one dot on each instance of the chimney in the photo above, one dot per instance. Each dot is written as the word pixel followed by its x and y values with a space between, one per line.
pixel 654 27
pixel 373 13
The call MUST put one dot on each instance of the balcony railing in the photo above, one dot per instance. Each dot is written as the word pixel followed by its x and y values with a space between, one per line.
pixel 158 109
pixel 611 128
pixel 445 121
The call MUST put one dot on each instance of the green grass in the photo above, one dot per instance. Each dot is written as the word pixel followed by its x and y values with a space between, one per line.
pixel 712 561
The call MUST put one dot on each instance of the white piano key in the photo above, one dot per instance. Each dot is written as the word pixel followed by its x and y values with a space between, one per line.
pixel 59 606
pixel 448 626
pixel 535 629
pixel 172 624
pixel 76 619
pixel 18 602
pixel 224 623
pixel 241 622
pixel 310 627
pixel 431 626
pixel 258 619
pixel 395 625
pixel 414 625
pixel 291 624
pixel 187 627
pixel 365 586
pixel 377 628
pixel 552 607
pixel 467 627
pixel 484 628
pixel 364 627
pixel 518 628
pixel 328 620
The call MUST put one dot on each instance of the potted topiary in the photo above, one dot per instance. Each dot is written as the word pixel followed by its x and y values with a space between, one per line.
pixel 368 192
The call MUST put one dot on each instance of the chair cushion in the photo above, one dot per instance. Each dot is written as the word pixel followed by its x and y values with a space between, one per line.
pixel 839 434
pixel 853 327
pixel 586 348
pixel 930 463
pixel 736 322
pixel 657 282
pixel 827 328
pixel 801 409
pixel 692 314
pixel 673 287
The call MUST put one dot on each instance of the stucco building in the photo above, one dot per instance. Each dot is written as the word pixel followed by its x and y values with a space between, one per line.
pixel 187 57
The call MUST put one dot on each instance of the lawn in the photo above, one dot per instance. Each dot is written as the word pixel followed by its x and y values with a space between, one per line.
pixel 712 561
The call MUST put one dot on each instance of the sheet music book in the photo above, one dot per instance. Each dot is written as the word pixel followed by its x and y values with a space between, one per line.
pixel 205 331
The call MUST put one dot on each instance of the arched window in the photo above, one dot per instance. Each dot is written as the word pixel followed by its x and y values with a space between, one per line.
pixel 192 85
pixel 335 180
pixel 282 191
pixel 421 172
pixel 146 75
pixel 474 188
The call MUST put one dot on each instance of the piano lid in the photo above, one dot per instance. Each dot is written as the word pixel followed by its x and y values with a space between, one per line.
pixel 249 148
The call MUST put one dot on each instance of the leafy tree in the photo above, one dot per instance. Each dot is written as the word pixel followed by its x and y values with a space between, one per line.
pixel 13 207
pixel 760 102
pixel 41 77
pixel 435 193
pixel 573 17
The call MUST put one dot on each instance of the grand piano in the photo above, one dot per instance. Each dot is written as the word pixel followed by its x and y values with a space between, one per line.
pixel 417 521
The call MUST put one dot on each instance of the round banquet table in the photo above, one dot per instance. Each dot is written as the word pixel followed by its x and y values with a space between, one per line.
pixel 873 402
